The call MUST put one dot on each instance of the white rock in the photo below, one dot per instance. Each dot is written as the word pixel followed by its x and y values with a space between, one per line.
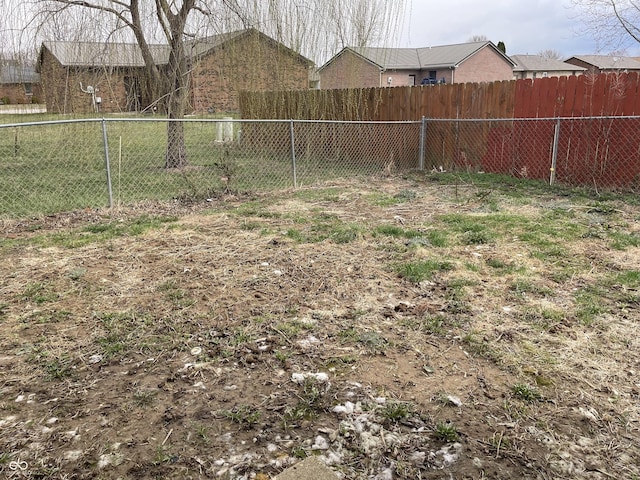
pixel 348 408
pixel 418 458
pixel 73 455
pixel 320 443
pixel 195 351
pixel 590 414
pixel 97 358
pixel 309 342
pixel 109 459
pixel 386 474
pixel 301 377
pixel 331 458
pixel 454 400
pixel 71 435
pixel 369 442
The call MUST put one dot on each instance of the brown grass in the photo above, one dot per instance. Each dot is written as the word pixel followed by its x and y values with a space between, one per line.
pixel 167 350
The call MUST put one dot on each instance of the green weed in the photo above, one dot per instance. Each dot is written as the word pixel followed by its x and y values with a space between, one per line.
pixel 144 398
pixel 395 412
pixel 446 432
pixel 623 240
pixel 244 415
pixel 59 368
pixel 39 293
pixel 420 271
pixel 526 392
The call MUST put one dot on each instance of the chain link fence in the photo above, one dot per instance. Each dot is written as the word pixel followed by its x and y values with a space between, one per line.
pixel 57 166
pixel 593 152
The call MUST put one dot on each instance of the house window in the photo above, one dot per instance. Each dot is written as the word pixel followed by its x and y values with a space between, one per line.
pixel 412 80
pixel 28 89
pixel 545 74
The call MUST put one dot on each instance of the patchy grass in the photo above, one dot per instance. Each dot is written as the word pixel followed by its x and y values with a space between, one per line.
pixel 169 340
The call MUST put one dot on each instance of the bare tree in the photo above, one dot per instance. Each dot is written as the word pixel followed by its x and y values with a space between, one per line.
pixel 320 28
pixel 143 20
pixel 550 54
pixel 478 38
pixel 614 24
pixel 315 28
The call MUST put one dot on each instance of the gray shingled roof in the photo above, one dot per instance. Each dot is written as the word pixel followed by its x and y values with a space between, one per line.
pixel 203 45
pixel 422 58
pixel 15 73
pixel 536 63
pixel 94 54
pixel 97 54
pixel 609 62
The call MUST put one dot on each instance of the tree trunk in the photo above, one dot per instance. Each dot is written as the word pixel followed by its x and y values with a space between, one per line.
pixel 178 74
pixel 176 149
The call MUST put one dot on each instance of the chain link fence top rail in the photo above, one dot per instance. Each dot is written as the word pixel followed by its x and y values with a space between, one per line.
pixel 48 167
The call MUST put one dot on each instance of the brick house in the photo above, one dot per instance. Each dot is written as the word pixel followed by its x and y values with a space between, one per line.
pixel 392 67
pixel 19 83
pixel 536 66
pixel 595 64
pixel 81 77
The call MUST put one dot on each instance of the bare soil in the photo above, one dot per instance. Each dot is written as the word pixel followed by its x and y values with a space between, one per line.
pixel 230 339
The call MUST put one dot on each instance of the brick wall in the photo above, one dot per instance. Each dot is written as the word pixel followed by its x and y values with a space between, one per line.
pixel 485 66
pixel 62 92
pixel 16 93
pixel 350 71
pixel 251 62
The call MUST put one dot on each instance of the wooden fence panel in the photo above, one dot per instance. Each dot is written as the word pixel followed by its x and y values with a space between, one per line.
pixel 574 96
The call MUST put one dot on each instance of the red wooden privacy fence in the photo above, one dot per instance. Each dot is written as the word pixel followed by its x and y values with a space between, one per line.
pixel 603 151
pixel 575 96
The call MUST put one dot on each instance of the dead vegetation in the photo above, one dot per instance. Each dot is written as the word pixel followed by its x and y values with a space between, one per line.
pixel 421 327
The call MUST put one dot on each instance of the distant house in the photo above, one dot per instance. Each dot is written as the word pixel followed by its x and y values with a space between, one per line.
pixel 19 84
pixel 605 63
pixel 536 66
pixel 82 77
pixel 390 67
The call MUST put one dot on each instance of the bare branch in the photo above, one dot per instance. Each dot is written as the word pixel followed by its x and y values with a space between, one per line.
pixel 101 8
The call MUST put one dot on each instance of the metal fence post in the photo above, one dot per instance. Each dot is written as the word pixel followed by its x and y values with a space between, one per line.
pixel 554 154
pixel 106 161
pixel 423 126
pixel 293 155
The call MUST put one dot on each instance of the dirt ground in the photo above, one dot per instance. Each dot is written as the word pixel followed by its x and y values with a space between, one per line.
pixel 232 337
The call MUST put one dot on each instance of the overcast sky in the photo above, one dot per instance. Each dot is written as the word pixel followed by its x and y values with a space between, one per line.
pixel 526 27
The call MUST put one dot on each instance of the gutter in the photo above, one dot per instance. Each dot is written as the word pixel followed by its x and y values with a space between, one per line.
pixel 382 70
